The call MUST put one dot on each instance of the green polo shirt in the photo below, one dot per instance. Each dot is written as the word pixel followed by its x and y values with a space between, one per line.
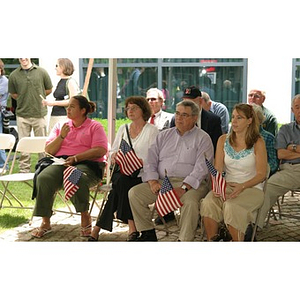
pixel 29 85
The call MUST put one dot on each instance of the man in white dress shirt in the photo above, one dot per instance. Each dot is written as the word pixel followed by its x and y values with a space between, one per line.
pixel 159 118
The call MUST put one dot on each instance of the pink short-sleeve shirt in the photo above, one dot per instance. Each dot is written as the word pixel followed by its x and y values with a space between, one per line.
pixel 79 139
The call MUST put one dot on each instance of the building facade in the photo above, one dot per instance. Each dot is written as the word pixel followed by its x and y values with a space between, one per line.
pixel 226 80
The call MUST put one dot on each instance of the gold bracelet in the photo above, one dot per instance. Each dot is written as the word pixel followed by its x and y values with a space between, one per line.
pixel 75 158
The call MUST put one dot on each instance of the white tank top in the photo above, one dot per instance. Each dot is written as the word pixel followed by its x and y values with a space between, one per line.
pixel 239 166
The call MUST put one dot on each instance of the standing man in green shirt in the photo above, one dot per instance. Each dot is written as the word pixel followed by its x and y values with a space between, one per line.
pixel 26 85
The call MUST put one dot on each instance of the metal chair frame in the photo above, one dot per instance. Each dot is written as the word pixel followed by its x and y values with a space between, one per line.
pixel 28 145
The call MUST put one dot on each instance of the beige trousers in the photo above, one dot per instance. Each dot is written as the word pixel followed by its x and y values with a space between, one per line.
pixel 56 119
pixel 140 197
pixel 237 212
pixel 25 126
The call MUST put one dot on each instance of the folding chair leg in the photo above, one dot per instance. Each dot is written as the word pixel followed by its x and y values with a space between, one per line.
pixel 6 190
pixel 279 209
pixel 94 201
pixel 103 202
pixel 2 200
pixel 66 203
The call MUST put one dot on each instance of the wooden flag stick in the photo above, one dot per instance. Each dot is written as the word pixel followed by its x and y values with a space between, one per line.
pixel 87 77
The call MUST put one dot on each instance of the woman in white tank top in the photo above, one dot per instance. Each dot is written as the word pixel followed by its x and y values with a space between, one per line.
pixel 242 156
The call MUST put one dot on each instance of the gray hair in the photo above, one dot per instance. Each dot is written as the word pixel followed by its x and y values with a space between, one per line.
pixel 295 98
pixel 188 103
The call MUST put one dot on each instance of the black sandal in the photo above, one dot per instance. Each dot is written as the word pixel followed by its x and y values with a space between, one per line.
pixel 133 236
pixel 92 239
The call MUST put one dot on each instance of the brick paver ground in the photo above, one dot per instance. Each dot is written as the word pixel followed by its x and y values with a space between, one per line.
pixel 66 228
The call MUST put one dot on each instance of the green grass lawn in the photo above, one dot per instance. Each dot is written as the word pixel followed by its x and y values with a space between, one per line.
pixel 10 218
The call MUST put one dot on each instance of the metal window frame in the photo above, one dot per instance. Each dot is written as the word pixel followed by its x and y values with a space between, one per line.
pixel 160 64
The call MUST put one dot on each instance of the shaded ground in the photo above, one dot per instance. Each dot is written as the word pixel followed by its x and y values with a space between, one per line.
pixel 66 228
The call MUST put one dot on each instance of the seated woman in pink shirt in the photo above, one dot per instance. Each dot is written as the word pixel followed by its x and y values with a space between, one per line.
pixel 83 143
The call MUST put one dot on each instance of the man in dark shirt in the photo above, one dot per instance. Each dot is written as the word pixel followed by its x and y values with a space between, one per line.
pixel 208 121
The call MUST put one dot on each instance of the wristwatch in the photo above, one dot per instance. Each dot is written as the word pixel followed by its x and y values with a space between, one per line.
pixel 294 147
pixel 184 187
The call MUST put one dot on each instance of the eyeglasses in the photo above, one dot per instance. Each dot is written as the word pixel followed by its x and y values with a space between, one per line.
pixel 152 99
pixel 133 108
pixel 183 115
pixel 254 95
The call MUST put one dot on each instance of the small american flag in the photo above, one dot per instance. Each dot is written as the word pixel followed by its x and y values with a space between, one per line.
pixel 71 177
pixel 127 159
pixel 167 200
pixel 218 180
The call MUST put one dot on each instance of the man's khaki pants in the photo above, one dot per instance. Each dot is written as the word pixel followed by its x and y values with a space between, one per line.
pixel 284 180
pixel 141 196
pixel 25 126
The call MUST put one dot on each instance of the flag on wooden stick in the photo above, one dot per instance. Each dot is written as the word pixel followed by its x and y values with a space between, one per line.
pixel 218 180
pixel 167 200
pixel 127 159
pixel 71 177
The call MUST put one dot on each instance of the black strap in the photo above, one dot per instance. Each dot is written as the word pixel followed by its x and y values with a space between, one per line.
pixel 129 139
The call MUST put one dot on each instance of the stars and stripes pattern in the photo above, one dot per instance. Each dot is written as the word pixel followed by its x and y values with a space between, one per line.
pixel 71 177
pixel 167 200
pixel 127 159
pixel 218 180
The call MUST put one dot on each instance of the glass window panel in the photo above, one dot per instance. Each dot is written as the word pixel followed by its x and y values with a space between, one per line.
pixel 297 80
pixel 98 90
pixel 137 60
pixel 201 60
pixel 131 81
pixel 121 60
pixel 223 84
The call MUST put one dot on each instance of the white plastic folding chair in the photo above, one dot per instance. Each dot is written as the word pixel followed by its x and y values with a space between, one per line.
pixel 7 142
pixel 28 145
